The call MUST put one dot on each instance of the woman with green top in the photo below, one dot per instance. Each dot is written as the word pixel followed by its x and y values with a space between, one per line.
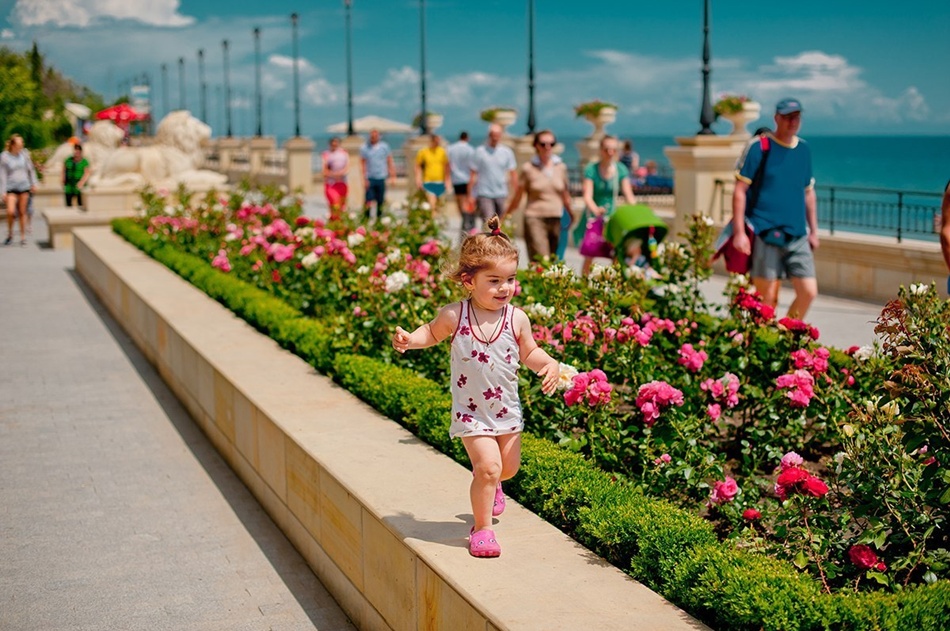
pixel 603 182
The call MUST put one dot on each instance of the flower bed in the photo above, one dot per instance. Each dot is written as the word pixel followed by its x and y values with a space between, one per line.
pixel 700 409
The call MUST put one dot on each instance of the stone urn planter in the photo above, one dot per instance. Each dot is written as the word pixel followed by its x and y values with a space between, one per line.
pixel 504 116
pixel 750 112
pixel 597 113
pixel 433 121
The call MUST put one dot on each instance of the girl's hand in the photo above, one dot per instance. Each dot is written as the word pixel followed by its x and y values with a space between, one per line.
pixel 549 374
pixel 401 340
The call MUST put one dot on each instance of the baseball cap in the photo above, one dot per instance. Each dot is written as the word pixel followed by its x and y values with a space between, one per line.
pixel 788 106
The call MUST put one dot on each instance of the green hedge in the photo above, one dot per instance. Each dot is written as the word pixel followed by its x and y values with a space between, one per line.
pixel 670 550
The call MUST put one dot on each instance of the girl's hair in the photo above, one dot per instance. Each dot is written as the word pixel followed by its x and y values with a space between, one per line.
pixel 13 139
pixel 480 251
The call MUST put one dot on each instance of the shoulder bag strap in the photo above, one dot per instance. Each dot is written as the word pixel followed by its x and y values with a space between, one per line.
pixel 752 197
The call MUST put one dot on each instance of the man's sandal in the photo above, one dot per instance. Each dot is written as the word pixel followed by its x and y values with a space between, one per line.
pixel 482 543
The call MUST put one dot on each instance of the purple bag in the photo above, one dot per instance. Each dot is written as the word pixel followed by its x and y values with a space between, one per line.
pixel 594 244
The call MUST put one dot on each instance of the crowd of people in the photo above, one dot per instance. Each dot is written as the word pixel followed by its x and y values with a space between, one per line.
pixel 486 181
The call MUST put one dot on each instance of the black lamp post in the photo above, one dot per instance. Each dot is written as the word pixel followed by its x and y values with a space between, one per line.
pixel 423 123
pixel 165 108
pixel 348 4
pixel 707 117
pixel 257 81
pixel 293 26
pixel 181 83
pixel 202 85
pixel 227 88
pixel 531 117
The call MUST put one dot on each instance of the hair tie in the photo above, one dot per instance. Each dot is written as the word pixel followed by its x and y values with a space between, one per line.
pixel 495 232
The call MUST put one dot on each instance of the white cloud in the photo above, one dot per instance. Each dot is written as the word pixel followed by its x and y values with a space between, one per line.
pixel 7 34
pixel 321 92
pixel 287 63
pixel 399 86
pixel 83 13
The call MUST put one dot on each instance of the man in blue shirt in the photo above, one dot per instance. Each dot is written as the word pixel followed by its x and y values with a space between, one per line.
pixel 377 162
pixel 785 216
pixel 493 170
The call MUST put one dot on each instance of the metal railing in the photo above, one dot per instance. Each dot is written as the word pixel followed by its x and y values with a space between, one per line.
pixel 875 211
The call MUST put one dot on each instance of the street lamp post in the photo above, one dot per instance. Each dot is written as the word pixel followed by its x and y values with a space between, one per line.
pixel 257 80
pixel 348 4
pixel 707 116
pixel 227 88
pixel 423 123
pixel 202 85
pixel 531 118
pixel 181 83
pixel 165 108
pixel 293 25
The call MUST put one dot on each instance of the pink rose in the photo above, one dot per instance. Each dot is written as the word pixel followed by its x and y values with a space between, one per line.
pixel 724 491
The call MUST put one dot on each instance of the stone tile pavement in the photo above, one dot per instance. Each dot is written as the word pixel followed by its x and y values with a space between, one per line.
pixel 115 510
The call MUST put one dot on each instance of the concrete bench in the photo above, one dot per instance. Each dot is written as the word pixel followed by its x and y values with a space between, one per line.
pixel 381 517
pixel 61 222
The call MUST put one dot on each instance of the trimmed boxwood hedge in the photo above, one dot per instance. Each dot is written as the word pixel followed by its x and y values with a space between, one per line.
pixel 670 550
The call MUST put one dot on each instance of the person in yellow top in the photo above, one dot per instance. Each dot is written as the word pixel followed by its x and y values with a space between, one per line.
pixel 432 170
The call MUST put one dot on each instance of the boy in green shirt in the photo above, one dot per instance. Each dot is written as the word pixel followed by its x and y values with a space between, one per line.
pixel 75 173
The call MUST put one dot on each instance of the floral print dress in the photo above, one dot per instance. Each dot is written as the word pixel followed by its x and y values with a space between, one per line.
pixel 485 379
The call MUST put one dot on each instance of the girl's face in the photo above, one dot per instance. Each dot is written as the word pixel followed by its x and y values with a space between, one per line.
pixel 493 287
pixel 608 150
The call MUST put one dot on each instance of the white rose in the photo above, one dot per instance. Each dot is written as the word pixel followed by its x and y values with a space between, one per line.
pixel 309 260
pixel 362 270
pixel 919 289
pixel 864 353
pixel 355 239
pixel 565 379
pixel 396 281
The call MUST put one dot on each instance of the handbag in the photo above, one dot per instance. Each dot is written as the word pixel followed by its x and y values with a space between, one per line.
pixel 736 262
pixel 594 245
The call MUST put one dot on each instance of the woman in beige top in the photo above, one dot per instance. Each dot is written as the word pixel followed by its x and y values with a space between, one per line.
pixel 544 180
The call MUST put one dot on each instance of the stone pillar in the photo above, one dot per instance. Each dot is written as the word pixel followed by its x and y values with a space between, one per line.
pixel 698 161
pixel 299 164
pixel 226 146
pixel 257 147
pixel 356 195
pixel 410 148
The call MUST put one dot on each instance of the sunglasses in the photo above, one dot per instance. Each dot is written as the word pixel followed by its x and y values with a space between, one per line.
pixel 546 144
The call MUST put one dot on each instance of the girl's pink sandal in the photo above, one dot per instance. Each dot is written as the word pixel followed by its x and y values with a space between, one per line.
pixel 482 543
pixel 499 506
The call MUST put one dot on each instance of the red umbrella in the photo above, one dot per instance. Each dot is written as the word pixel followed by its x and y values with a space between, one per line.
pixel 121 113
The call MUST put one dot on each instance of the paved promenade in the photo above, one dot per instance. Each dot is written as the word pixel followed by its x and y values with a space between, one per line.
pixel 115 510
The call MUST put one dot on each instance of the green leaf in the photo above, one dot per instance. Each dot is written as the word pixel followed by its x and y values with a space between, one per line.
pixel 879 577
pixel 800 560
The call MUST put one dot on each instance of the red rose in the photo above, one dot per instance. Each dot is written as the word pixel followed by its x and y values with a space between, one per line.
pixel 751 514
pixel 862 556
pixel 814 487
pixel 880 567
pixel 793 476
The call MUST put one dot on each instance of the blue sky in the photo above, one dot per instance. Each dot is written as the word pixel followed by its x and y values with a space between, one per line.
pixel 869 67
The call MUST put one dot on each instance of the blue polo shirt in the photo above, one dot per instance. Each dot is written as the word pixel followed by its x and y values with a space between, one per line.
pixel 493 165
pixel 377 167
pixel 787 176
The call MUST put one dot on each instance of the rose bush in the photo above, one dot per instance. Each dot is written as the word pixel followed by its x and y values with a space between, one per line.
pixel 789 447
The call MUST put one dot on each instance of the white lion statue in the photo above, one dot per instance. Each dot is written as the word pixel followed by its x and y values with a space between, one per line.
pixel 104 137
pixel 176 157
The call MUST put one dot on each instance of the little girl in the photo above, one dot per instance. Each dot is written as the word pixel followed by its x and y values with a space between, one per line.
pixel 489 338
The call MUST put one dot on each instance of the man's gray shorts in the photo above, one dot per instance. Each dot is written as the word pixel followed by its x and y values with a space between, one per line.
pixel 488 207
pixel 773 262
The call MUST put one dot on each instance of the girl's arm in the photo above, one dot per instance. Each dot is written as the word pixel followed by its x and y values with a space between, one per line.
pixel 533 356
pixel 430 333
pixel 588 191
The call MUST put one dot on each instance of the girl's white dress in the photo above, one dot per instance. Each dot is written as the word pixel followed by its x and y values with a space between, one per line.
pixel 485 379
